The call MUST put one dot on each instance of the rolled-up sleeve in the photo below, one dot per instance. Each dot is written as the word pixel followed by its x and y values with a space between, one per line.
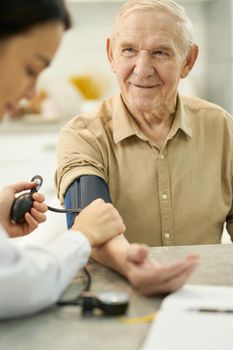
pixel 79 152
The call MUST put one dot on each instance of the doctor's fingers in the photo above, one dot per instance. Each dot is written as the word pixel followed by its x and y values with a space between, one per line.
pixel 40 206
pixel 37 215
pixel 20 186
pixel 112 216
pixel 119 226
pixel 38 197
pixel 31 223
pixel 33 219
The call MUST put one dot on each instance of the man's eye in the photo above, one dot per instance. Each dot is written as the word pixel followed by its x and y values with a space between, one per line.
pixel 31 72
pixel 160 54
pixel 128 51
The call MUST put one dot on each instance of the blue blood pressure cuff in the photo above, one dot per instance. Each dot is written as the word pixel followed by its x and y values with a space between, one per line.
pixel 82 192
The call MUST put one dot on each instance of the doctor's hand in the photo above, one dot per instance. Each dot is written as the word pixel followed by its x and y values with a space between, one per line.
pixel 149 277
pixel 32 219
pixel 99 222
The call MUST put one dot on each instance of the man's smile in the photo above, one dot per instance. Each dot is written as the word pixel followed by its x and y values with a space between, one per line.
pixel 144 86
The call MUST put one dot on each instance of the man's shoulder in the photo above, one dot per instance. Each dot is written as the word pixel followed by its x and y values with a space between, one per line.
pixel 211 114
pixel 195 103
pixel 207 111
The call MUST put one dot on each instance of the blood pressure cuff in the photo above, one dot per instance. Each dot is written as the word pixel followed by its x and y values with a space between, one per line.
pixel 82 192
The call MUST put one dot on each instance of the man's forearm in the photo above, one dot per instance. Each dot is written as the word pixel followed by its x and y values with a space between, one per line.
pixel 113 254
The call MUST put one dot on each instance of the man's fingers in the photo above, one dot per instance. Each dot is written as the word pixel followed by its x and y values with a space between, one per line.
pixel 137 253
pixel 157 279
pixel 192 257
pixel 178 275
pixel 171 285
pixel 175 269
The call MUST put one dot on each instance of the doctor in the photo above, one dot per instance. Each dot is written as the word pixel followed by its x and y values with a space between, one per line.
pixel 33 278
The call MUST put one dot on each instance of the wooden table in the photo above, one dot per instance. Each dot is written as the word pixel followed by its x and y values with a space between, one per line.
pixel 65 329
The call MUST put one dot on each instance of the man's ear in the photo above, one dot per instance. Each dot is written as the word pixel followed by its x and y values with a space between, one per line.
pixel 189 61
pixel 109 54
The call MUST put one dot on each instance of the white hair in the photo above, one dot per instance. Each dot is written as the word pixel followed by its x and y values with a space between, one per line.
pixel 184 22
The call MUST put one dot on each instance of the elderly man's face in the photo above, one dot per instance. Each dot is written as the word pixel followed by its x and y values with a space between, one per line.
pixel 148 59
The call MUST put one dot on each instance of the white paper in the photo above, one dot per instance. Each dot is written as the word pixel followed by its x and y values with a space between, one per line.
pixel 198 297
pixel 179 327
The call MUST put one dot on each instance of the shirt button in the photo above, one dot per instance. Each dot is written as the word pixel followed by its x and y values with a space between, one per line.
pixel 167 235
pixel 162 156
pixel 164 196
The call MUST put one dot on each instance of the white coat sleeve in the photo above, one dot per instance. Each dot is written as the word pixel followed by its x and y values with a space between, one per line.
pixel 33 277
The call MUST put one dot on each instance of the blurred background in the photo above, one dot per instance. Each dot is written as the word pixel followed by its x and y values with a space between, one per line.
pixel 80 77
pixel 82 54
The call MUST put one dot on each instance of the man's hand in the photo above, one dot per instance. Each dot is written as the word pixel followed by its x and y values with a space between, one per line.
pixel 32 219
pixel 144 273
pixel 150 277
pixel 99 222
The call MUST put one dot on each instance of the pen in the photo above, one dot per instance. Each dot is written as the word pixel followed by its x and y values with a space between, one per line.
pixel 215 310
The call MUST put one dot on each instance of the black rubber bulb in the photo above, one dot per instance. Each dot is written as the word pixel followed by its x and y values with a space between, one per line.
pixel 20 207
pixel 24 202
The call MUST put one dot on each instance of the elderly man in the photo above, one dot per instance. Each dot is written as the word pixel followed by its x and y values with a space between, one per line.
pixel 167 159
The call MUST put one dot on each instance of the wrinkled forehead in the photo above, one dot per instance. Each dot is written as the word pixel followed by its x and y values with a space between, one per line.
pixel 147 18
pixel 149 24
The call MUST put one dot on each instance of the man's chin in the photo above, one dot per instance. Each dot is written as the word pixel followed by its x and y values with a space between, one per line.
pixel 143 106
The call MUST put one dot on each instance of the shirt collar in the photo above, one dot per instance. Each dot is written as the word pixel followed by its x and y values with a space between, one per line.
pixel 124 126
pixel 181 119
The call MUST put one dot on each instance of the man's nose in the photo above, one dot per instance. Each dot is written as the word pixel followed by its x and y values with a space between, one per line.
pixel 144 64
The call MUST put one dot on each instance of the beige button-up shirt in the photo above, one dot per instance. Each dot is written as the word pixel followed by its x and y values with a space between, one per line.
pixel 179 195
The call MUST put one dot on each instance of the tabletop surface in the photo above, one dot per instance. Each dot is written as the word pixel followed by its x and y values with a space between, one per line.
pixel 64 328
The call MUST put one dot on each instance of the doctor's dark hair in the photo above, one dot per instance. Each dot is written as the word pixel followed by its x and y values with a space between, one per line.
pixel 20 16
